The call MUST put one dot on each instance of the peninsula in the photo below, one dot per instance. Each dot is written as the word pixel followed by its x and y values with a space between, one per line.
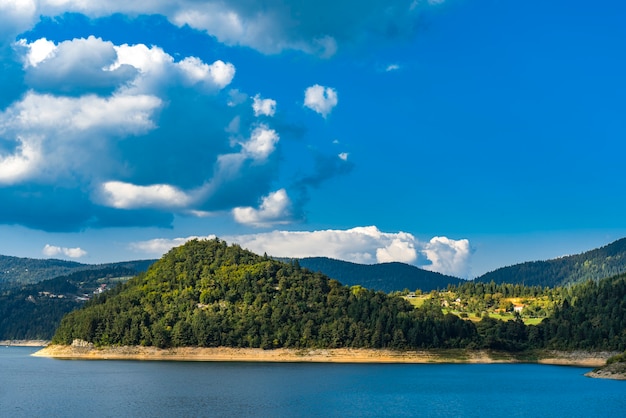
pixel 208 301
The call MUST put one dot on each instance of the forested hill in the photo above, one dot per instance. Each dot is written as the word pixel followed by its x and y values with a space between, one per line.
pixel 597 264
pixel 20 271
pixel 206 293
pixel 387 277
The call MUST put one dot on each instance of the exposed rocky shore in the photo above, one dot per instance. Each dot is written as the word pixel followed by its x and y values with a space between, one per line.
pixel 83 350
pixel 615 371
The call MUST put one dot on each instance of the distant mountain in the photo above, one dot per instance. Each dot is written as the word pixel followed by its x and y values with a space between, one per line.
pixel 597 264
pixel 387 277
pixel 20 271
pixel 33 311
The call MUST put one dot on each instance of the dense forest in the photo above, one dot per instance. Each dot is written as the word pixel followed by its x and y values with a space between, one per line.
pixel 33 312
pixel 207 293
pixel 387 277
pixel 596 264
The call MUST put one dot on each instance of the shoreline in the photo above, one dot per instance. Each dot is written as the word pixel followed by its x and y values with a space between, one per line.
pixel 335 355
pixel 24 343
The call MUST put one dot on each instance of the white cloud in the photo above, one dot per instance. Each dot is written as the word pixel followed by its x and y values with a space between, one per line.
pixel 320 99
pixel 53 134
pixel 398 250
pixel 16 167
pixel 16 16
pixel 38 51
pixel 274 209
pixel 42 113
pixel 392 67
pixel 122 195
pixel 159 246
pixel 54 251
pixel 261 144
pixel 265 107
pixel 365 245
pixel 219 74
pixel 448 256
pixel 158 68
pixel 145 59
pixel 312 27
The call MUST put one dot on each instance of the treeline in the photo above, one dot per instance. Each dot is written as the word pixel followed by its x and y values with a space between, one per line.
pixel 207 293
pixel 593 317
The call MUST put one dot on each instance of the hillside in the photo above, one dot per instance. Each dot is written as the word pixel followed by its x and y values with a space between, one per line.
pixel 387 277
pixel 206 293
pixel 20 271
pixel 596 264
pixel 34 311
pixel 209 294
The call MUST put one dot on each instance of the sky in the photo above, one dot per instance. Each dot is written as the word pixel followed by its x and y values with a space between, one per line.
pixel 455 135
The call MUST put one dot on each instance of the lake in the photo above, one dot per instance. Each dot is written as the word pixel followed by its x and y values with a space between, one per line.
pixel 38 387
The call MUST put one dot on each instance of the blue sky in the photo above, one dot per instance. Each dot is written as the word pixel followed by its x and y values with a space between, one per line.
pixel 458 136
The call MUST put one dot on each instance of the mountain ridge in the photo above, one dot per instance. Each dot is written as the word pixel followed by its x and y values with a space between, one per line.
pixel 15 271
pixel 387 277
pixel 595 264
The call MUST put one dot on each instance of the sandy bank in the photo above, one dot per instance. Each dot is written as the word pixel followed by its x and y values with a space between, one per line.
pixel 24 343
pixel 339 355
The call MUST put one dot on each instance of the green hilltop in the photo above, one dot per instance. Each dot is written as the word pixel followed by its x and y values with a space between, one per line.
pixel 207 293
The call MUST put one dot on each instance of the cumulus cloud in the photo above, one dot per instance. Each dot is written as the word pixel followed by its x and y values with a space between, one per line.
pixel 219 74
pixel 88 96
pixel 133 134
pixel 122 195
pixel 448 256
pixel 265 107
pixel 52 132
pixel 261 144
pixel 38 51
pixel 73 67
pixel 397 250
pixel 312 27
pixel 158 68
pixel 159 246
pixel 54 251
pixel 320 99
pixel 274 209
pixel 365 245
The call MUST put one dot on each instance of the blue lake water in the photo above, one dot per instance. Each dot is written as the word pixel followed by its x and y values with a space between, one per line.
pixel 42 387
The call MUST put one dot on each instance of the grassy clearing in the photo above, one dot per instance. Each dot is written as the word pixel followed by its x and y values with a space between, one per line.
pixel 418 301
